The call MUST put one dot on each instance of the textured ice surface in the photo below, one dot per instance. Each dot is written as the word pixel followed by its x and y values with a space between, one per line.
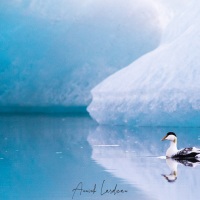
pixel 160 88
pixel 53 52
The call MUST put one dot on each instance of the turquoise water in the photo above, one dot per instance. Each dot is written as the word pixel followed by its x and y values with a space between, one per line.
pixel 49 156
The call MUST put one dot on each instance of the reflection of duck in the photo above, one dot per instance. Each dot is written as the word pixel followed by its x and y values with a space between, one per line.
pixel 173 152
pixel 173 164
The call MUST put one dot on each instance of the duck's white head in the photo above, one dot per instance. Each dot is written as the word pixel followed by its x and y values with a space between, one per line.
pixel 170 136
pixel 172 150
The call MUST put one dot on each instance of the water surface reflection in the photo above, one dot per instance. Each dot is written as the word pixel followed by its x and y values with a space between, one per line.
pixel 41 156
pixel 132 155
pixel 46 157
pixel 173 166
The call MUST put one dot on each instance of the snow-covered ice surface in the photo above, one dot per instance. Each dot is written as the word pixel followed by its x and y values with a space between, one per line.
pixel 162 88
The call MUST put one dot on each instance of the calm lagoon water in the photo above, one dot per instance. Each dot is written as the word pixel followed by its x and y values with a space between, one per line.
pixel 45 157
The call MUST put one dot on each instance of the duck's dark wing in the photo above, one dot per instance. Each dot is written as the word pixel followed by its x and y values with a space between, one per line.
pixel 190 152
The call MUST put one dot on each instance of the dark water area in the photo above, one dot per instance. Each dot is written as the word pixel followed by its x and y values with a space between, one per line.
pixel 65 157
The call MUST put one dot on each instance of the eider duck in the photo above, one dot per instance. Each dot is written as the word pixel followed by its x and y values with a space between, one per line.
pixel 173 152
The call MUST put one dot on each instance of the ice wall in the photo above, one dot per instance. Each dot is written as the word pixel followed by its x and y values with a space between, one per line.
pixel 53 52
pixel 162 88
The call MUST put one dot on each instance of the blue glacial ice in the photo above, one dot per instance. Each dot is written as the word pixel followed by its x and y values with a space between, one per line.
pixel 162 88
pixel 54 52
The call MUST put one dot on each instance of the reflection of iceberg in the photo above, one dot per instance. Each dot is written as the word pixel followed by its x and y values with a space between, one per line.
pixel 132 159
pixel 40 156
pixel 160 88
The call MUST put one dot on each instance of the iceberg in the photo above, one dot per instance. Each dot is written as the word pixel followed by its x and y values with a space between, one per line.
pixel 54 52
pixel 162 88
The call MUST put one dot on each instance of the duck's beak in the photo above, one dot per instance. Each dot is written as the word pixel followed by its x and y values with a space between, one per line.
pixel 164 138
